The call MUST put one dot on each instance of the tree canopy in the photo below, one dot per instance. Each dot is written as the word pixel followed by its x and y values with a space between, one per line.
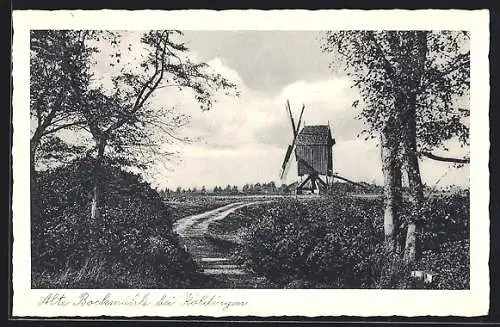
pixel 433 66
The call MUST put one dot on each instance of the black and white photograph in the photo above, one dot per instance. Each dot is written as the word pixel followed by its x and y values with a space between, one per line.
pixel 249 159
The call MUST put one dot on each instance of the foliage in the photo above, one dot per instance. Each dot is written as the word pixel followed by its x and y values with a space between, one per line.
pixel 382 65
pixel 446 220
pixel 451 263
pixel 247 189
pixel 301 241
pixel 337 242
pixel 414 86
pixel 340 188
pixel 53 148
pixel 133 238
pixel 55 56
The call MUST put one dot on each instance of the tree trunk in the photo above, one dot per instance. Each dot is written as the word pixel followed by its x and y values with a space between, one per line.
pixel 96 191
pixel 94 210
pixel 409 133
pixel 415 197
pixel 33 149
pixel 391 168
pixel 34 191
pixel 412 168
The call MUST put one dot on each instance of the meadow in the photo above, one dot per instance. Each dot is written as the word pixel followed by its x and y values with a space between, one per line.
pixel 332 241
pixel 337 242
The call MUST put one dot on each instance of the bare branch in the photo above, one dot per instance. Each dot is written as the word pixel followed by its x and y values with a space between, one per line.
pixel 445 159
pixel 55 129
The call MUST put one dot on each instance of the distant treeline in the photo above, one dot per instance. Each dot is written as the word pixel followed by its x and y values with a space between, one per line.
pixel 269 188
pixel 250 189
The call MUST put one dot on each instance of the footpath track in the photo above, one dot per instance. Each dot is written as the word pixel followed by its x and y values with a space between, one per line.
pixel 215 260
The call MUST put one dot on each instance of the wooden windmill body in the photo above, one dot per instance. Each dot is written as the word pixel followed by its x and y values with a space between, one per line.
pixel 313 152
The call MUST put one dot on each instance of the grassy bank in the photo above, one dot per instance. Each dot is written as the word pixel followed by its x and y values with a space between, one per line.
pixel 336 242
pixel 131 246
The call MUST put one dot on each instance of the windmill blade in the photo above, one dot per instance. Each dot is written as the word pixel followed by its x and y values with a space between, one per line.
pixel 300 119
pixel 285 161
pixel 291 118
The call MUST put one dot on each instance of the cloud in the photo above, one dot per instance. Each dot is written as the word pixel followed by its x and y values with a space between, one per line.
pixel 266 60
pixel 336 89
pixel 232 75
pixel 326 101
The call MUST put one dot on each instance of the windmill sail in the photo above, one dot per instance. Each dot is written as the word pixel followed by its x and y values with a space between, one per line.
pixel 295 129
pixel 300 119
pixel 285 161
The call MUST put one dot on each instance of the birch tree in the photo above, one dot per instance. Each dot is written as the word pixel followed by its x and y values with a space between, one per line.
pixel 410 83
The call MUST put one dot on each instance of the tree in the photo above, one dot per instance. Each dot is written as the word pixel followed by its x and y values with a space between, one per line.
pixel 411 84
pixel 53 105
pixel 271 187
pixel 283 189
pixel 245 188
pixel 257 188
pixel 123 121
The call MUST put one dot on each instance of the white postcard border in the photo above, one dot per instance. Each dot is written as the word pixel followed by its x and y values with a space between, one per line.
pixel 265 303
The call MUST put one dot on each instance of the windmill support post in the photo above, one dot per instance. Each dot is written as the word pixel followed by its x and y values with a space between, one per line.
pixel 316 181
pixel 349 181
pixel 300 188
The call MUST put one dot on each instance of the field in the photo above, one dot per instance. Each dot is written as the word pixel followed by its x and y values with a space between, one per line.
pixel 269 241
pixel 183 206
pixel 336 242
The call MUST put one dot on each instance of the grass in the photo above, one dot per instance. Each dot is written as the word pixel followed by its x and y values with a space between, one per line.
pixel 186 205
pixel 132 245
pixel 336 242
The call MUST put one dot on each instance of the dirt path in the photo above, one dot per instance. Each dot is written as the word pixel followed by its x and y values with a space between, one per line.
pixel 213 258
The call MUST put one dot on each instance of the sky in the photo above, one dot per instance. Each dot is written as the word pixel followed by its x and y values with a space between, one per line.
pixel 243 139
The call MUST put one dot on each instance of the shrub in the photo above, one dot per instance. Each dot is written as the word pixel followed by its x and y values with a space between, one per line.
pixel 450 263
pixel 337 242
pixel 446 219
pixel 323 244
pixel 133 237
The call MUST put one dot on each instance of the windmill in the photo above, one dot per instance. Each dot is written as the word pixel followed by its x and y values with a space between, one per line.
pixel 313 153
